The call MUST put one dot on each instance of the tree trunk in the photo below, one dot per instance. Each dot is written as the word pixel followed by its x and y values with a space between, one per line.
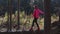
pixel 59 14
pixel 47 20
pixel 9 15
pixel 18 6
pixel 59 17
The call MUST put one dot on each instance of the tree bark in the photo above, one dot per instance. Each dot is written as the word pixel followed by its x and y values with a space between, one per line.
pixel 18 6
pixel 9 15
pixel 47 18
pixel 59 18
pixel 59 14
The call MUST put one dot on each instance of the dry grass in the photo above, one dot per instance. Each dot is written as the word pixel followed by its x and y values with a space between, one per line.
pixel 25 19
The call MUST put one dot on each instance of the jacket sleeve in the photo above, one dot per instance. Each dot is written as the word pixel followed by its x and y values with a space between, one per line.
pixel 40 11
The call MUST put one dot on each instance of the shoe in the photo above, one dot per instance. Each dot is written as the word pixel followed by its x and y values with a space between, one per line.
pixel 31 29
pixel 38 29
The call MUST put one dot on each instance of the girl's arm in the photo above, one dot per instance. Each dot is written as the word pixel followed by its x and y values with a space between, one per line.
pixel 40 11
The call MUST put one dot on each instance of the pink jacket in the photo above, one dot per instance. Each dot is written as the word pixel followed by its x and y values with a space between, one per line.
pixel 37 12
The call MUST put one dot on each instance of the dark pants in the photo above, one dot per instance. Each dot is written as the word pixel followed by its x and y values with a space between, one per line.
pixel 35 21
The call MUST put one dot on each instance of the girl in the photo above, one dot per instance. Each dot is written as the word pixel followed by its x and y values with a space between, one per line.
pixel 36 14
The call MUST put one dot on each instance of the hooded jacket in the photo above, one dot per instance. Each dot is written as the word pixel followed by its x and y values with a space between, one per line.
pixel 37 12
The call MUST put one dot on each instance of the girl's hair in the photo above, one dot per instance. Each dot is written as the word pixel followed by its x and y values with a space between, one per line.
pixel 36 6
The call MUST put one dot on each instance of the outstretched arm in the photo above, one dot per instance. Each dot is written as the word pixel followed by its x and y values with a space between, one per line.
pixel 40 11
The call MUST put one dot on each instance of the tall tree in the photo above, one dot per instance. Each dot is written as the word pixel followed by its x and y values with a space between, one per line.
pixel 59 11
pixel 47 18
pixel 18 7
pixel 9 15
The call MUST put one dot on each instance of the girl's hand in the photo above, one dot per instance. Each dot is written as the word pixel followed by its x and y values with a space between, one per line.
pixel 32 16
